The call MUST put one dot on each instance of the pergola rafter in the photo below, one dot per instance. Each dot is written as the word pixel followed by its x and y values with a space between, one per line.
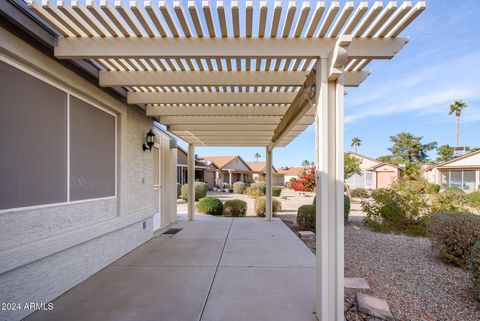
pixel 242 74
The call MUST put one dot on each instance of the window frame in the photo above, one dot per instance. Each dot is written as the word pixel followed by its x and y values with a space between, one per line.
pixel 69 93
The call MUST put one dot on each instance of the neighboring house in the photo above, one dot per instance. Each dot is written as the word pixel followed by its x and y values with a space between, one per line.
pixel 290 172
pixel 374 173
pixel 231 169
pixel 260 173
pixel 462 172
pixel 205 171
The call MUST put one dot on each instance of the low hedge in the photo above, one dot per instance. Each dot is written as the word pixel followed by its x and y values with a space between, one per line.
pixel 239 187
pixel 235 208
pixel 254 191
pixel 450 200
pixel 201 190
pixel 260 185
pixel 306 217
pixel 474 197
pixel 475 266
pixel 276 191
pixel 453 235
pixel 260 206
pixel 210 205
pixel 456 190
pixel 360 193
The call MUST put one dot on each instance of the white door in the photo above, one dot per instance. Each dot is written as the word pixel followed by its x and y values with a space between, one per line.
pixel 157 187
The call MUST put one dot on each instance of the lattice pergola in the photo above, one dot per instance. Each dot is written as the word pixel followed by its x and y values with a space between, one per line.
pixel 243 74
pixel 225 73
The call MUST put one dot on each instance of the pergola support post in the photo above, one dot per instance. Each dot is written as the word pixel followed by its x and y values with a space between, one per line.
pixel 329 193
pixel 191 181
pixel 268 179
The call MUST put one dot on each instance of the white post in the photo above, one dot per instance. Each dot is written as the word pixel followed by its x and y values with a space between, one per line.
pixel 268 191
pixel 329 193
pixel 191 181
pixel 230 178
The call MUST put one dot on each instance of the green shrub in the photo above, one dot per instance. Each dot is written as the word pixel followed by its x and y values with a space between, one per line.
pixel 179 190
pixel 420 186
pixel 235 208
pixel 453 235
pixel 210 205
pixel 475 266
pixel 260 206
pixel 253 191
pixel 474 197
pixel 306 217
pixel 239 187
pixel 260 185
pixel 360 193
pixel 201 190
pixel 276 191
pixel 346 205
pixel 288 185
pixel 457 190
pixel 450 201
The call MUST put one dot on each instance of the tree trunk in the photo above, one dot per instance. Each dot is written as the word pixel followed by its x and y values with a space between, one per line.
pixel 458 126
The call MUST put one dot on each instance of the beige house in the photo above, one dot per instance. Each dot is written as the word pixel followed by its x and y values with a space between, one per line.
pixel 260 173
pixel 205 171
pixel 375 174
pixel 231 169
pixel 290 172
pixel 462 172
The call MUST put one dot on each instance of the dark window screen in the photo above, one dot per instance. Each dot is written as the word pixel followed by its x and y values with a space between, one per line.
pixel 92 151
pixel 33 140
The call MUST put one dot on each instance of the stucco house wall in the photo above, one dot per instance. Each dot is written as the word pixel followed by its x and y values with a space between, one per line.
pixel 78 239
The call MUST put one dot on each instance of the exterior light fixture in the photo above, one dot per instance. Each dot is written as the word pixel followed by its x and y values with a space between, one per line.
pixel 149 141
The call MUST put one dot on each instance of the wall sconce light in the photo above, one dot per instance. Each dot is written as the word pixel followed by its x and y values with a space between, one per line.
pixel 149 141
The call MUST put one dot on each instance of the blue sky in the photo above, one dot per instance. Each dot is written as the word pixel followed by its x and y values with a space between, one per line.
pixel 411 92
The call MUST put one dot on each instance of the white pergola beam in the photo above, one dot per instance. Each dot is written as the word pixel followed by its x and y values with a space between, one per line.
pixel 226 133
pixel 215 111
pixel 145 47
pixel 210 97
pixel 237 127
pixel 229 120
pixel 215 78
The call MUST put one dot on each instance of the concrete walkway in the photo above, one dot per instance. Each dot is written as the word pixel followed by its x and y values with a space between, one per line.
pixel 214 269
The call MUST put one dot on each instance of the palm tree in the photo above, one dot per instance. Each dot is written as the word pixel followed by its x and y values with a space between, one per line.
pixel 305 163
pixel 257 156
pixel 457 107
pixel 356 142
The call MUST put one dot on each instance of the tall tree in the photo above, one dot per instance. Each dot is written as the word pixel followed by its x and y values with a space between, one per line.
pixel 257 156
pixel 351 166
pixel 356 142
pixel 444 153
pixel 457 107
pixel 305 163
pixel 408 148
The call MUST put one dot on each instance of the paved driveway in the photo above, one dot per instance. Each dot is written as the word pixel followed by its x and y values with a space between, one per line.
pixel 214 269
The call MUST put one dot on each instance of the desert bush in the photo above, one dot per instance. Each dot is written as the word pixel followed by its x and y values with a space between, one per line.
pixel 453 235
pixel 360 193
pixel 260 206
pixel 346 205
pixel 457 190
pixel 450 201
pixel 306 217
pixel 262 186
pixel 235 208
pixel 475 266
pixel 179 190
pixel 201 190
pixel 210 205
pixel 401 208
pixel 276 191
pixel 474 197
pixel 420 186
pixel 239 187
pixel 254 192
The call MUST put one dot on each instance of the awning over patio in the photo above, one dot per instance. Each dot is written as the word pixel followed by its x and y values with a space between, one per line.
pixel 212 72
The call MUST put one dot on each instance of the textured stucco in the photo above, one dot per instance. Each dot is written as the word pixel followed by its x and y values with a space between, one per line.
pixel 46 251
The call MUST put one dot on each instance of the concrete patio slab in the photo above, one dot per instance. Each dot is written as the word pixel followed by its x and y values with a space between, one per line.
pixel 204 275
pixel 267 253
pixel 171 251
pixel 140 293
pixel 266 294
